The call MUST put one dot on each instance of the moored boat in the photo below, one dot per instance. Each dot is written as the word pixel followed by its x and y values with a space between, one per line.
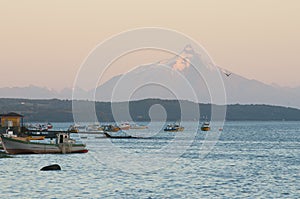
pixel 73 129
pixel 205 126
pixel 174 127
pixel 110 128
pixel 38 127
pixel 80 127
pixel 93 128
pixel 63 144
pixel 49 125
pixel 124 126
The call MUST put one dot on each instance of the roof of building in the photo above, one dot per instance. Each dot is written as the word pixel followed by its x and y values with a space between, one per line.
pixel 11 114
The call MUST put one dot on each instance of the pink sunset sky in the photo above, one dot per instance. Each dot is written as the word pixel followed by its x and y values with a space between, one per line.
pixel 43 43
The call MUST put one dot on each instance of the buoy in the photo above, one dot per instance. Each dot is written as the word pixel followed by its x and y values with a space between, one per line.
pixel 53 167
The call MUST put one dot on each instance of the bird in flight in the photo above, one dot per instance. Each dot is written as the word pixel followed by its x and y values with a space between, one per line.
pixel 227 74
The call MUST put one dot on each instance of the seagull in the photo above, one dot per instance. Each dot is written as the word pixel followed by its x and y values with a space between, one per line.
pixel 227 74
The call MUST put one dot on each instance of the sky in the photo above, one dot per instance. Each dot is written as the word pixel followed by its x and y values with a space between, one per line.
pixel 43 43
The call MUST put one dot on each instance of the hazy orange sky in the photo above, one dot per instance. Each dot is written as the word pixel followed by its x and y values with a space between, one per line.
pixel 43 43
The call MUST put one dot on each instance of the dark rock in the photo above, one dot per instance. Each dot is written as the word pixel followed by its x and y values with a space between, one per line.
pixel 53 167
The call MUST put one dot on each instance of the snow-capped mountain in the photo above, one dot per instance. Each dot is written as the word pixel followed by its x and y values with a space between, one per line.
pixel 174 78
pixel 189 75
pixel 169 79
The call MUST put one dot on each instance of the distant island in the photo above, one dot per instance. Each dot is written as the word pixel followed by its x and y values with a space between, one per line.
pixel 55 110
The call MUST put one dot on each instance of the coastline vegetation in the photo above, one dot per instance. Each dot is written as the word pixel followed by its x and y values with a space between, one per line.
pixel 55 110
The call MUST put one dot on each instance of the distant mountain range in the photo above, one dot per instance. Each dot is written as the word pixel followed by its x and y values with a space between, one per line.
pixel 141 83
pixel 34 92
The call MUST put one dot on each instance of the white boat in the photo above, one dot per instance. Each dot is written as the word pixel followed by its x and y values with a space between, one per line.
pixel 79 127
pixel 38 127
pixel 124 126
pixel 62 144
pixel 205 126
pixel 174 127
pixel 93 128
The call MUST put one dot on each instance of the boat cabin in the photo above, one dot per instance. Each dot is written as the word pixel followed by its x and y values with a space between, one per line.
pixel 11 121
pixel 63 138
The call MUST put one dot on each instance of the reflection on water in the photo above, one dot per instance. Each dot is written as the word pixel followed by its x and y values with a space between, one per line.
pixel 251 159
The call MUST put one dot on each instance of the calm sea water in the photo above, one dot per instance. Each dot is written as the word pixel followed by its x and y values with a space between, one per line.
pixel 250 159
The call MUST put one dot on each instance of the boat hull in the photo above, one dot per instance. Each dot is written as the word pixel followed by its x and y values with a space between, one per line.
pixel 205 128
pixel 125 128
pixel 174 129
pixel 110 128
pixel 13 146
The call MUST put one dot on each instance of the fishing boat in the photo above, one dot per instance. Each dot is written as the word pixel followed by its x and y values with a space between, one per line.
pixel 205 126
pixel 62 144
pixel 80 127
pixel 124 126
pixel 49 125
pixel 174 127
pixel 93 127
pixel 73 129
pixel 37 127
pixel 110 128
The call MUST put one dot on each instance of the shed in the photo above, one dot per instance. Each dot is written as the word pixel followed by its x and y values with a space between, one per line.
pixel 11 119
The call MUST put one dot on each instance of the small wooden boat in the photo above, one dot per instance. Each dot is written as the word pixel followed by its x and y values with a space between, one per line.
pixel 49 125
pixel 73 129
pixel 174 127
pixel 124 126
pixel 205 126
pixel 110 128
pixel 79 127
pixel 93 127
pixel 62 144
